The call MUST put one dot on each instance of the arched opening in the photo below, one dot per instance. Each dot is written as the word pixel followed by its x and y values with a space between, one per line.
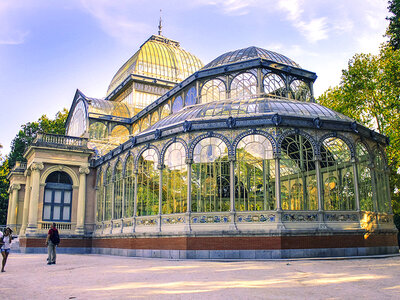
pixel 255 174
pixel 244 85
pixel 191 97
pixel 108 194
pixel 364 178
pixel 274 85
pixel 57 197
pixel 174 198
pixel 210 176
pixel 118 190
pixel 148 184
pixel 213 90
pixel 129 188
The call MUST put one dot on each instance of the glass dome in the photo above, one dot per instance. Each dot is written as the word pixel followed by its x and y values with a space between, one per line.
pixel 250 53
pixel 159 58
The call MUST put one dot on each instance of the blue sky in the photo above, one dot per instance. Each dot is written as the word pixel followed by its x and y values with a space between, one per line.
pixel 48 49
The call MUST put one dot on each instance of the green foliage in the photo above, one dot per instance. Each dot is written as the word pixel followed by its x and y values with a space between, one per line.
pixel 393 31
pixel 4 184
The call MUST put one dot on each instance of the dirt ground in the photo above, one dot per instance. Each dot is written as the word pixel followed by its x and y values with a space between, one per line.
pixel 109 277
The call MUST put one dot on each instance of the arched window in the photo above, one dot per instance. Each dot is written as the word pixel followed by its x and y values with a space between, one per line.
pixel 274 85
pixel 135 129
pixel 210 176
pixel 337 175
pixel 213 90
pixel 191 97
pixel 108 194
pixel 148 184
pixel 174 180
pixel 299 90
pixel 57 197
pixel 255 174
pixel 77 125
pixel 177 105
pixel 100 196
pixel 381 182
pixel 154 118
pixel 129 188
pixel 244 85
pixel 119 134
pixel 298 178
pixel 166 111
pixel 98 131
pixel 364 178
pixel 118 189
pixel 145 124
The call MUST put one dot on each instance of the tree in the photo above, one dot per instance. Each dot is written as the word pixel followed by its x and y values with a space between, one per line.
pixel 19 144
pixel 393 31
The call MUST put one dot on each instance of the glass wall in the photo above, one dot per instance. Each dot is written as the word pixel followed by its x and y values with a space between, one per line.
pixel 98 131
pixel 337 175
pixel 108 187
pixel 210 176
pixel 299 90
pixel 119 134
pixel 191 97
pixel 118 190
pixel 148 184
pixel 174 198
pixel 364 178
pixel 254 174
pixel 381 182
pixel 129 188
pixel 298 176
pixel 274 85
pixel 177 105
pixel 77 125
pixel 100 196
pixel 244 85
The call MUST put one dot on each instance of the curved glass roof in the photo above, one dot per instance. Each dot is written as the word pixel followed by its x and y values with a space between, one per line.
pixel 159 58
pixel 250 107
pixel 250 53
pixel 105 107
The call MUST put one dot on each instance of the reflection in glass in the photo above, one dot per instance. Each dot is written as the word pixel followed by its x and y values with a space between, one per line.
pixel 210 176
pixel 174 180
pixel 148 184
pixel 298 178
pixel 255 174
pixel 337 175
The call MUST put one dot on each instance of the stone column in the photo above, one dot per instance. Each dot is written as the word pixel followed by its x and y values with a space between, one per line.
pixel 25 212
pixel 10 196
pixel 14 200
pixel 33 205
pixel 80 220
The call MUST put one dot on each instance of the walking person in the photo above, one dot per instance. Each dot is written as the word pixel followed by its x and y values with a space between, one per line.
pixel 52 240
pixel 6 246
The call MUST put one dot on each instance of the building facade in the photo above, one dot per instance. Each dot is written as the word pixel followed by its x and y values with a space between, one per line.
pixel 233 159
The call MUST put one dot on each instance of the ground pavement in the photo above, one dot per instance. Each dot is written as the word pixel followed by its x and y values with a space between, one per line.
pixel 109 277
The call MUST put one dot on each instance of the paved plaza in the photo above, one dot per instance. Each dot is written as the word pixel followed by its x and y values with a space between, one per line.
pixel 109 277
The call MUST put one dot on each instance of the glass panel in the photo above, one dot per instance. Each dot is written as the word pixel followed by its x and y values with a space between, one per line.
pixel 118 180
pixel 77 125
pixel 46 212
pixel 244 85
pixel 213 90
pixel 47 196
pixel 98 131
pixel 364 178
pixel 337 175
pixel 174 198
pixel 67 197
pixel 274 85
pixel 119 135
pixel 255 174
pixel 381 182
pixel 57 196
pixel 299 90
pixel 66 211
pixel 210 176
pixel 129 188
pixel 298 177
pixel 148 184
pixel 108 195
pixel 177 105
pixel 191 97
pixel 56 212
pixel 100 196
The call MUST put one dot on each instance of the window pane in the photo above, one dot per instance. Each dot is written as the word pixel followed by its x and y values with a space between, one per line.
pixel 57 196
pixel 46 212
pixel 67 197
pixel 66 210
pixel 56 213
pixel 47 196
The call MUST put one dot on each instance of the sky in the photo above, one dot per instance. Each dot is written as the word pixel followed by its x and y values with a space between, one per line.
pixel 50 48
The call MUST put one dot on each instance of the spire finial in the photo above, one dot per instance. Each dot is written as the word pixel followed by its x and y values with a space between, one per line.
pixel 160 25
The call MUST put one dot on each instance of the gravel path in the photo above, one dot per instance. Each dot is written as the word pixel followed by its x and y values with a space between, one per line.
pixel 109 277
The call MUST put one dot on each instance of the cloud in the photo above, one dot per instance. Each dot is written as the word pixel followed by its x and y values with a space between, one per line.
pixel 115 20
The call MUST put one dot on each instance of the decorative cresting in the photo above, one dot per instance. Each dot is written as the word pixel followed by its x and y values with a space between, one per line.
pixel 297 131
pixel 170 142
pixel 339 136
pixel 194 142
pixel 254 132
pixel 148 146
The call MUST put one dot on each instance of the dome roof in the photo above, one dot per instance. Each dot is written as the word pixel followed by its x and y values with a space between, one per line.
pixel 250 107
pixel 248 54
pixel 159 58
